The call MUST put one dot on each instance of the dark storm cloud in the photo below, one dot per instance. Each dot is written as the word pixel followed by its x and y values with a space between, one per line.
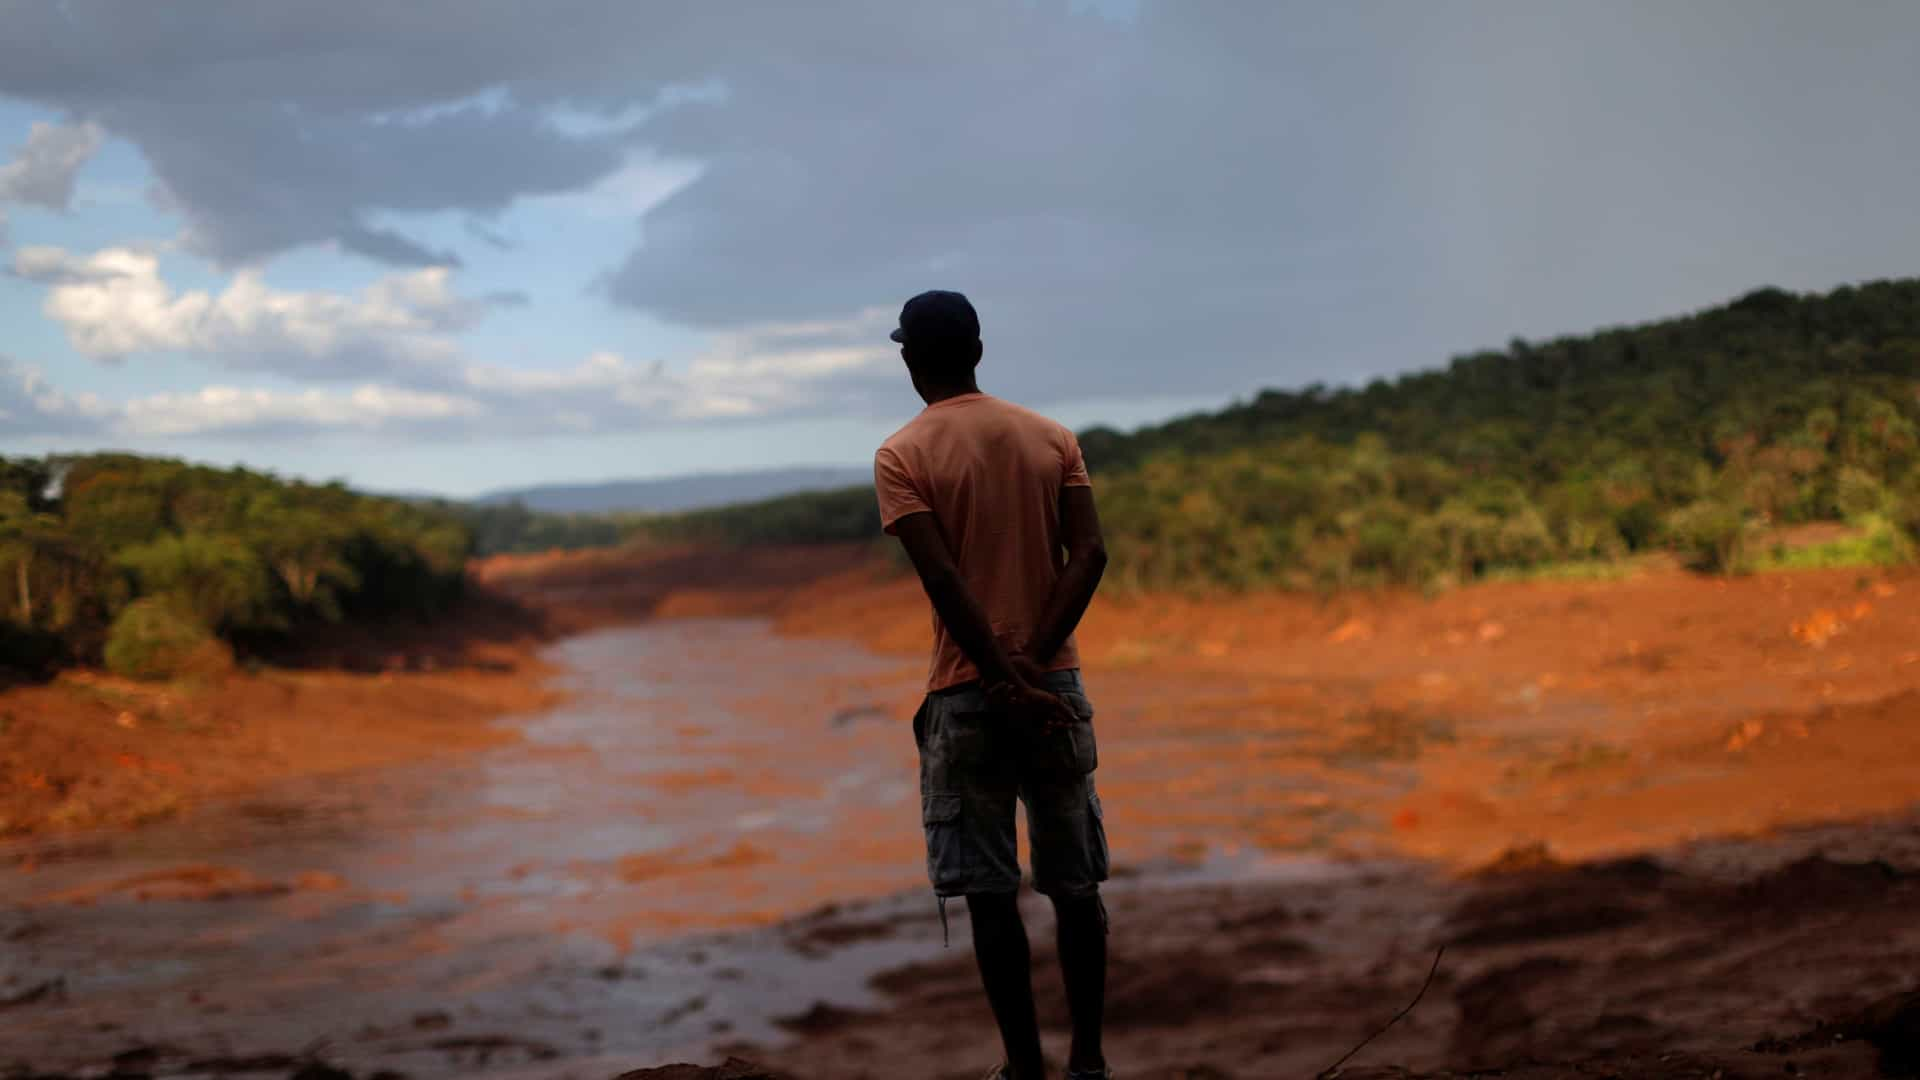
pixel 258 178
pixel 1205 197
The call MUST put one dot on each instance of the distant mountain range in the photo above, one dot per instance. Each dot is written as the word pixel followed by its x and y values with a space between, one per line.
pixel 667 494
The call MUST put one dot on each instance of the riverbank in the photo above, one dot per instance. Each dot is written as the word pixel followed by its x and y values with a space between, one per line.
pixel 88 750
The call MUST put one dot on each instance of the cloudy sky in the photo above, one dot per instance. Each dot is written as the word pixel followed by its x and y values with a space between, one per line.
pixel 455 246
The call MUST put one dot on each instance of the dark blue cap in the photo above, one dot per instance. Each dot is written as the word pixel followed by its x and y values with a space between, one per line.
pixel 938 316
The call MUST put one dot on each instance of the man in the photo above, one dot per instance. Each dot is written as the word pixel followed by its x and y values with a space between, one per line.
pixel 993 505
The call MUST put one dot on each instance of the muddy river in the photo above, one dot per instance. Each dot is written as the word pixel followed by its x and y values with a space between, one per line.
pixel 604 894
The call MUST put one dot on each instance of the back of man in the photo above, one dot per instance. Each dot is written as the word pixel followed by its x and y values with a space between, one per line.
pixel 993 505
pixel 991 473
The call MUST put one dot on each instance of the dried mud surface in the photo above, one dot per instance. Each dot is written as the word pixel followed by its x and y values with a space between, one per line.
pixel 1795 956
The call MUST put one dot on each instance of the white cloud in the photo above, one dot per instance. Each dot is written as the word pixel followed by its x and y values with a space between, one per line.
pixel 777 370
pixel 114 303
pixel 43 169
pixel 800 350
pixel 397 342
pixel 229 409
pixel 29 405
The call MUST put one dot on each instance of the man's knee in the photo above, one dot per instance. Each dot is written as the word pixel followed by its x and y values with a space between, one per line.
pixel 994 908
pixel 1080 909
pixel 1076 904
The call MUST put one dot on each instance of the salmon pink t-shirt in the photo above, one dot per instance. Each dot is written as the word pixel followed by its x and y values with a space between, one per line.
pixel 991 473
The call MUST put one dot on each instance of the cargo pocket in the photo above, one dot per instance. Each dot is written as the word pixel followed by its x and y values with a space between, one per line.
pixel 1083 751
pixel 1096 835
pixel 946 859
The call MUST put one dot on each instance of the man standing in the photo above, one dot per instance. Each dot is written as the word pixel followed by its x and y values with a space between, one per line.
pixel 993 505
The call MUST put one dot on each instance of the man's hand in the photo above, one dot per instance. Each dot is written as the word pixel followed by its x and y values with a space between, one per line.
pixel 1031 704
pixel 1028 669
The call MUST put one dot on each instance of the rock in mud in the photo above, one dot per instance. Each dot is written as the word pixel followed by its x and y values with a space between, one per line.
pixel 1545 902
pixel 1891 1026
pixel 1788 889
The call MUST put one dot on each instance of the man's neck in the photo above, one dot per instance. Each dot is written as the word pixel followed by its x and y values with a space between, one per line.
pixel 934 395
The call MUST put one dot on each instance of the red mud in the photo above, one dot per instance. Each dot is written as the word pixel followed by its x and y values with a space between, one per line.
pixel 1525 723
pixel 90 750
pixel 1664 826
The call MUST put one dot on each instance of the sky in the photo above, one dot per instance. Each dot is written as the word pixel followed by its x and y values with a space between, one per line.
pixel 458 246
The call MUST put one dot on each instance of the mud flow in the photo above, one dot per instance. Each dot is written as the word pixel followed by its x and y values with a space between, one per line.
pixel 713 846
pixel 535 903
pixel 565 897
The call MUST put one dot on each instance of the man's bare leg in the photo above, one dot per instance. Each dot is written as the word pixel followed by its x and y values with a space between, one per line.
pixel 1082 928
pixel 1006 967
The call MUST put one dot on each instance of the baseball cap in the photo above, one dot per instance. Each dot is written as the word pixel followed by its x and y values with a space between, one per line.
pixel 937 315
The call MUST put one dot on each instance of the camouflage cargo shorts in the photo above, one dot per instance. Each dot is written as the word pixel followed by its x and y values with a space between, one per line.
pixel 974 763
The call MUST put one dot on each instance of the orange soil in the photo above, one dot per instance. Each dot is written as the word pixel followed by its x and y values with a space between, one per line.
pixel 1595 718
pixel 89 750
pixel 578 590
pixel 1589 718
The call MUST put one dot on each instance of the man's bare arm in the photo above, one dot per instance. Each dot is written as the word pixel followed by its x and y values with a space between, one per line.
pixel 1073 589
pixel 952 600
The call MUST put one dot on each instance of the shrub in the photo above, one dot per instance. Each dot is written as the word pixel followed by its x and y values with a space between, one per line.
pixel 156 637
pixel 1710 535
pixel 1858 493
pixel 1523 539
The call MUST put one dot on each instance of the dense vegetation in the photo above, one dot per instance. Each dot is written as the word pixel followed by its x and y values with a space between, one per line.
pixel 806 518
pixel 1691 434
pixel 512 527
pixel 156 566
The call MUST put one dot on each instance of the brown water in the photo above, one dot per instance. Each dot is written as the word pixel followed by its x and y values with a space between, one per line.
pixel 599 896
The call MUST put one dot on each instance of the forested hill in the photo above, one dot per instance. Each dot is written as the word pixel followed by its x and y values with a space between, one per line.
pixel 1693 434
pixel 1750 367
pixel 160 567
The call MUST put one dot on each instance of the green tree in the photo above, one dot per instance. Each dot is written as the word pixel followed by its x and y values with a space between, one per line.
pixel 217 580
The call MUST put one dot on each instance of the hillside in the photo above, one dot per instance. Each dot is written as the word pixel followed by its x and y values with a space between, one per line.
pixel 158 567
pixel 1695 434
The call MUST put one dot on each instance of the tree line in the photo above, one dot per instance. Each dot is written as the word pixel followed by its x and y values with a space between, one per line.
pixel 1691 434
pixel 154 565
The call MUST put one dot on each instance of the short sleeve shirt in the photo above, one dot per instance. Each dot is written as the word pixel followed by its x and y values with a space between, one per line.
pixel 990 473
